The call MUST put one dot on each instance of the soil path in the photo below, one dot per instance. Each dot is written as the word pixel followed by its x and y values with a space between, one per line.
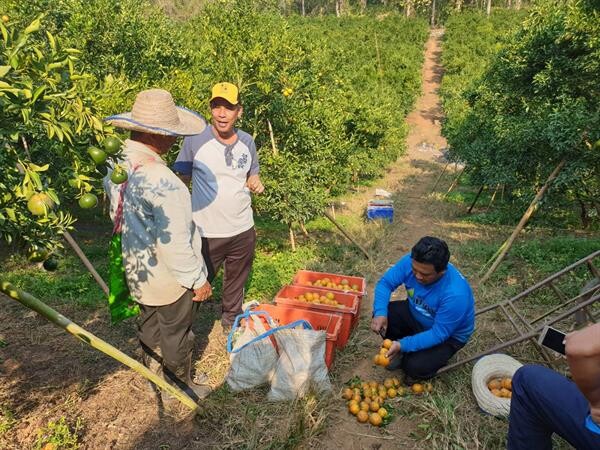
pixel 410 181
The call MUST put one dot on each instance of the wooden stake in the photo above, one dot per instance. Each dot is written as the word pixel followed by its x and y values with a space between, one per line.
pixel 275 151
pixel 494 195
pixel 58 319
pixel 530 211
pixel 292 237
pixel 86 262
pixel 303 228
pixel 440 177
pixel 476 198
pixel 346 234
pixel 455 182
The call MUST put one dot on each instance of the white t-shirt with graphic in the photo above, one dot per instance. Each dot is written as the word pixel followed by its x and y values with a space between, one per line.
pixel 221 202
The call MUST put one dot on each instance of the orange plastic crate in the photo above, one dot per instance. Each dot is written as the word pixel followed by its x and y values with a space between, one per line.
pixel 330 323
pixel 349 312
pixel 302 278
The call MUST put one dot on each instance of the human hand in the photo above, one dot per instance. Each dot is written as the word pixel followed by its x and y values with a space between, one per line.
pixel 202 293
pixel 379 323
pixel 254 184
pixel 393 350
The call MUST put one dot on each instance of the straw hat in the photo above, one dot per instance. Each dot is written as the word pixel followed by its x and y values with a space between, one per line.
pixel 155 112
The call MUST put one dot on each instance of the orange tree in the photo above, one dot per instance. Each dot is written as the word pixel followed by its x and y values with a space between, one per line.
pixel 538 104
pixel 47 122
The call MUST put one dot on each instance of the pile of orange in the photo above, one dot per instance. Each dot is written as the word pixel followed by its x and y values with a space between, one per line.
pixel 500 387
pixel 380 359
pixel 366 399
pixel 315 297
pixel 343 285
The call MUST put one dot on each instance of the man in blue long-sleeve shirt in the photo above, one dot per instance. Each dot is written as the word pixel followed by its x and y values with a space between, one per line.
pixel 435 321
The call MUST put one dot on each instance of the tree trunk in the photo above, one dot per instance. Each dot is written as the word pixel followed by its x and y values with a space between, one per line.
pixel 292 237
pixel 408 8
pixel 517 4
pixel 363 6
pixel 585 220
pixel 303 9
pixel 476 198
pixel 488 8
pixel 458 6
pixel 530 211
pixel 432 21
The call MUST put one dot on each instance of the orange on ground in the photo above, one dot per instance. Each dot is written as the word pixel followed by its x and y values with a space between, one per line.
pixel 357 398
pixel 347 394
pixel 417 388
pixel 354 409
pixel 396 381
pixel 362 416
pixel 382 412
pixel 364 406
pixel 388 383
pixel 428 387
pixel 375 419
pixel 392 393
pixel 374 406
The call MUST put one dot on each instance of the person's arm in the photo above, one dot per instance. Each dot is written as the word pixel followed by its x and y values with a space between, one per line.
pixel 388 283
pixel 447 319
pixel 253 181
pixel 171 207
pixel 184 164
pixel 582 349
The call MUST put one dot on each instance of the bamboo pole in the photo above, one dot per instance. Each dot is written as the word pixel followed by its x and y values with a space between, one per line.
pixel 530 211
pixel 476 198
pixel 273 146
pixel 440 177
pixel 66 324
pixel 292 237
pixel 346 234
pixel 86 262
pixel 455 182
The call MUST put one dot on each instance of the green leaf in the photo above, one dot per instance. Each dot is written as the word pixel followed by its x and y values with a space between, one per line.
pixel 37 168
pixel 4 70
pixel 10 212
pixel 33 26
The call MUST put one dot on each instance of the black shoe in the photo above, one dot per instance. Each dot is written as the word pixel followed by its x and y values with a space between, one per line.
pixel 395 363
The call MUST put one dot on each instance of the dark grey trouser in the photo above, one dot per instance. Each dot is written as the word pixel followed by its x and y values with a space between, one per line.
pixel 236 253
pixel 168 328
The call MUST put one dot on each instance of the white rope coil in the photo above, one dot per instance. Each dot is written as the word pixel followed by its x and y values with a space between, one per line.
pixel 486 369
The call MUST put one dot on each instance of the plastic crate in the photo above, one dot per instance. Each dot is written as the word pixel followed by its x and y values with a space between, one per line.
pixel 303 277
pixel 349 311
pixel 380 212
pixel 330 323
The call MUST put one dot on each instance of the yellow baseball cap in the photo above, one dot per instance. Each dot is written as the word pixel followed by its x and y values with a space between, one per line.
pixel 227 91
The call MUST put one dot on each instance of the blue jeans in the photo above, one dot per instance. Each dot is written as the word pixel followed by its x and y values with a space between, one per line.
pixel 544 402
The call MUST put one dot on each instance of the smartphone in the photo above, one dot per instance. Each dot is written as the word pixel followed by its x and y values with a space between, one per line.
pixel 553 339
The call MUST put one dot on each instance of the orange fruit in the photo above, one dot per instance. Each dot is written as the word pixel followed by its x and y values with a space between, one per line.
pixel 378 400
pixel 374 406
pixel 388 383
pixel 376 359
pixel 368 400
pixel 364 406
pixel 362 416
pixel 373 384
pixel 384 360
pixel 383 393
pixel 428 387
pixel 507 383
pixel 357 397
pixel 396 381
pixel 496 392
pixel 392 393
pixel 504 392
pixel 354 409
pixel 509 394
pixel 417 388
pixel 383 351
pixel 347 394
pixel 375 419
pixel 387 343
pixel 382 412
pixel 494 384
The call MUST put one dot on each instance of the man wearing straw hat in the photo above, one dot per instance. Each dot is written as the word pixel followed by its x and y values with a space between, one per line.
pixel 222 164
pixel 161 252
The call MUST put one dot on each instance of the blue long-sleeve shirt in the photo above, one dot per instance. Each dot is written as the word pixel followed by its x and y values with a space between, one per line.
pixel 446 308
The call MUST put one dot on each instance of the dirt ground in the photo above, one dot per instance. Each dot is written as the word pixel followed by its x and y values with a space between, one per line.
pixel 37 379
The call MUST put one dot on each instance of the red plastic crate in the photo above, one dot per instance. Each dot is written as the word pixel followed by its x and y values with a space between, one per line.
pixel 330 323
pixel 349 312
pixel 302 278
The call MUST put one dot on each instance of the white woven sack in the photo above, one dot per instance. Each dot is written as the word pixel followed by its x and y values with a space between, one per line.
pixel 487 368
pixel 253 365
pixel 301 364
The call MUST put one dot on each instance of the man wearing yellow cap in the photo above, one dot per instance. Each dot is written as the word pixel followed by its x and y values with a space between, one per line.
pixel 222 164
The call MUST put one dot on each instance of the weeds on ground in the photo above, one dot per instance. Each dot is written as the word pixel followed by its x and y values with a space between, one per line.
pixel 59 435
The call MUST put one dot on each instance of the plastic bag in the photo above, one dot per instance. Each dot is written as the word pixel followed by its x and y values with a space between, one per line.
pixel 301 365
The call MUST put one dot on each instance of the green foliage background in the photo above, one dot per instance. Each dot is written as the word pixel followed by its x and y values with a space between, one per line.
pixel 536 102
pixel 349 84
